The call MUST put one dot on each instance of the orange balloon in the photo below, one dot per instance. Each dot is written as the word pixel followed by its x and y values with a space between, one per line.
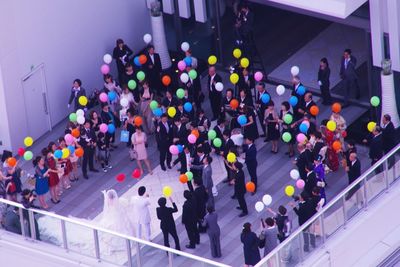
pixel 75 133
pixel 183 178
pixel 336 107
pixel 79 152
pixel 11 162
pixel 138 121
pixel 142 59
pixel 250 187
pixel 337 145
pixel 314 110
pixel 166 80
pixel 196 133
pixel 234 104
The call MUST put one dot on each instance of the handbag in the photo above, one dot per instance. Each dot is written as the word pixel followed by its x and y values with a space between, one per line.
pixel 261 243
pixel 132 154
pixel 124 136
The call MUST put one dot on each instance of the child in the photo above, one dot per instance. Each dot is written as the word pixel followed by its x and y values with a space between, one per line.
pixel 103 151
pixel 282 222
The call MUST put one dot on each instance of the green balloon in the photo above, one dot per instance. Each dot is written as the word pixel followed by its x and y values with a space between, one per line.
pixel 286 137
pixel 189 175
pixel 180 93
pixel 193 74
pixel 153 105
pixel 132 84
pixel 73 117
pixel 288 118
pixel 217 142
pixel 375 101
pixel 140 75
pixel 212 134
pixel 28 155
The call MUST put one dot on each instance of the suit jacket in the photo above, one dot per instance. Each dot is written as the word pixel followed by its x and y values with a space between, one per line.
pixel 173 102
pixel 228 146
pixel 354 171
pixel 206 176
pixel 118 53
pixel 349 72
pixel 204 119
pixel 164 136
pixel 317 148
pixel 141 209
pixel 194 87
pixel 87 137
pixel 12 222
pixel 323 76
pixel 311 182
pixel 211 88
pixel 251 155
pixel 189 213
pixel 156 64
pixel 181 134
pixel 211 222
pixel 74 96
pixel 165 215
pixel 247 86
pixel 262 106
pixel 182 159
pixel 304 211
pixel 301 163
pixel 388 137
pixel 240 187
pixel 375 147
pixel 307 108
pixel 201 197
pixel 197 161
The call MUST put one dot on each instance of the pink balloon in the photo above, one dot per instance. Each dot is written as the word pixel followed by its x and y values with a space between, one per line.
pixel 301 138
pixel 69 139
pixel 258 76
pixel 105 69
pixel 181 65
pixel 103 97
pixel 103 128
pixel 192 138
pixel 173 149
pixel 300 184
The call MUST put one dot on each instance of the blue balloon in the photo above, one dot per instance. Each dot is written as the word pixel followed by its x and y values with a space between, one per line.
pixel 157 112
pixel 293 101
pixel 301 90
pixel 303 128
pixel 242 120
pixel 136 61
pixel 112 96
pixel 71 149
pixel 111 128
pixel 188 61
pixel 58 154
pixel 180 148
pixel 188 107
pixel 265 98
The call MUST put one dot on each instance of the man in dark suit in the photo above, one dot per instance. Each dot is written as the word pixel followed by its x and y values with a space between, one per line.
pixel 153 68
pixel 202 120
pixel 167 222
pixel 121 54
pixel 308 103
pixel 169 100
pixel 261 106
pixel 76 92
pixel 227 146
pixel 194 88
pixel 349 76
pixel 353 170
pixel 189 219
pixel 164 140
pixel 302 160
pixel 244 24
pixel 318 145
pixel 179 132
pixel 311 179
pixel 201 197
pixel 389 137
pixel 12 221
pixel 184 158
pixel 214 95
pixel 251 161
pixel 206 177
pixel 197 160
pixel 88 142
pixel 375 145
pixel 299 91
pixel 240 187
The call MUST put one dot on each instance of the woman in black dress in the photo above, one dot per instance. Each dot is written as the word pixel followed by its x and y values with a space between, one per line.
pixel 250 246
pixel 271 120
pixel 250 128
pixel 121 54
pixel 323 81
pixel 285 109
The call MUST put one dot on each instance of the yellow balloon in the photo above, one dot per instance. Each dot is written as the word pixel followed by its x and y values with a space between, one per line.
pixel 65 153
pixel 371 125
pixel 83 100
pixel 28 141
pixel 234 78
pixel 331 125
pixel 171 111
pixel 167 191
pixel 237 53
pixel 289 190
pixel 244 62
pixel 212 60
pixel 231 157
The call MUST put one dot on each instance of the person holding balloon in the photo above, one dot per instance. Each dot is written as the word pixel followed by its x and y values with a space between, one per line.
pixel 285 120
pixel 262 99
pixel 340 125
pixel 164 140
pixel 130 75
pixel 42 182
pixel 88 142
pixel 298 92
pixel 271 122
pixel 64 162
pixel 76 93
pixel 167 222
pixel 121 54
pixel 108 117
pixel 246 120
pixel 53 178
pixel 128 98
pixel 139 140
pixel 215 96
pixel 113 91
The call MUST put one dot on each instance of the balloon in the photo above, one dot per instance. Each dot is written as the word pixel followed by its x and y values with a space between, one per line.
pixel 80 120
pixel 280 89
pixel 187 107
pixel 167 191
pixel 111 128
pixel 300 184
pixel 72 117
pixel 237 53
pixel 234 104
pixel 107 58
pixel 71 149
pixel 157 112
pixel 184 77
pixel 28 141
pixel 231 157
pixel 375 101
pixel 301 90
pixel 211 134
pixel 344 134
pixel 103 97
pixel 193 74
pixel 69 139
pixel 180 93
pixel 132 84
pixel 314 110
pixel 140 75
pixel 259 206
pixel 11 162
pixel 189 175
pixel 258 76
pixel 171 112
pixel 192 138
pixel 173 149
pixel 80 112
pixel 181 65
pixel 65 153
pixel 180 148
pixel 153 105
pixel 289 190
pixel 331 125
pixel 120 177
pixel 103 128
pixel 336 145
pixel 185 46
pixel 142 59
pixel 250 187
pixel 21 151
pixel 242 120
pixel 105 69
pixel 303 128
pixel 112 96
pixel 288 118
pixel 83 100
pixel 188 61
pixel 183 178
pixel 212 60
pixel 136 61
pixel 294 174
pixel 196 133
pixel 138 121
pixel 286 137
pixel 244 62
pixel 79 152
pixel 217 142
pixel 265 98
pixel 336 107
pixel 28 155
pixel 294 70
pixel 267 200
pixel 166 80
pixel 58 154
pixel 136 173
pixel 219 86
pixel 147 38
pixel 371 126
pixel 124 102
pixel 293 101
pixel 301 138
pixel 75 133
pixel 234 78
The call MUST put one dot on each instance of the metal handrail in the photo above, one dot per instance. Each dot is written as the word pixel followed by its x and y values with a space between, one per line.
pixel 126 237
pixel 322 211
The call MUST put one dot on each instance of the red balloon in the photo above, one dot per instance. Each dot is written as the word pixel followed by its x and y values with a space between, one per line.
pixel 344 134
pixel 234 104
pixel 21 151
pixel 136 173
pixel 166 80
pixel 120 177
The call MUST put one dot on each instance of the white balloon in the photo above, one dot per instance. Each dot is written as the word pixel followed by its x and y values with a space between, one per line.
pixel 80 113
pixel 184 77
pixel 294 174
pixel 107 58
pixel 280 89
pixel 147 38
pixel 124 102
pixel 267 200
pixel 80 120
pixel 219 86
pixel 295 70
pixel 185 46
pixel 259 206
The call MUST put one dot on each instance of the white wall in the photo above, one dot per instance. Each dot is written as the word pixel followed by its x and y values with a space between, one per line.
pixel 70 38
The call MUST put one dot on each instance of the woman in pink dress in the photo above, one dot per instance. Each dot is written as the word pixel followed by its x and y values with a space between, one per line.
pixel 139 141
